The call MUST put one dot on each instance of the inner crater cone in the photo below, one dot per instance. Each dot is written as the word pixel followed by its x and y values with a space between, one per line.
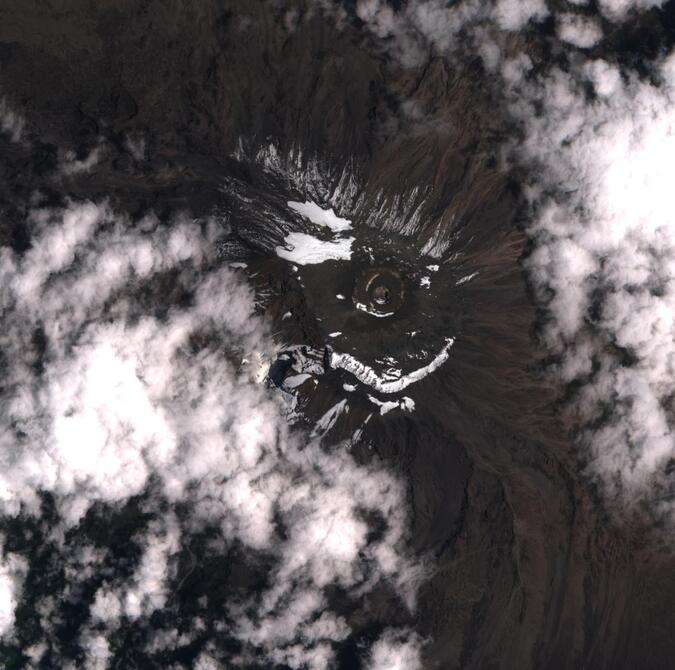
pixel 381 295
pixel 381 289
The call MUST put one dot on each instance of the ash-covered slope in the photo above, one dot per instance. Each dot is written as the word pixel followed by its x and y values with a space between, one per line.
pixel 197 124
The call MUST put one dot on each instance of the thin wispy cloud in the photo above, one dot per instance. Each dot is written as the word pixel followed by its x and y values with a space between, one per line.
pixel 12 124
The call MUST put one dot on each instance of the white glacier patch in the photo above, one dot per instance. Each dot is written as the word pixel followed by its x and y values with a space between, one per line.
pixel 320 217
pixel 327 421
pixel 304 249
pixel 368 376
pixel 405 403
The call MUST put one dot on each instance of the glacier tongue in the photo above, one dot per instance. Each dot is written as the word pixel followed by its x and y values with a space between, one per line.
pixel 366 375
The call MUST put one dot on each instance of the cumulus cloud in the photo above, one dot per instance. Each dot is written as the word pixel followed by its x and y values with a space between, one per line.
pixel 97 652
pixel 207 662
pixel 582 32
pixel 511 15
pixel 396 650
pixel 618 10
pixel 411 31
pixel 112 390
pixel 604 260
pixel 148 589
pixel 13 570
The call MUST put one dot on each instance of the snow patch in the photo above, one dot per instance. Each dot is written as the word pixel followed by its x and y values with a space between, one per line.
pixel 304 249
pixel 405 403
pixel 367 375
pixel 296 380
pixel 327 421
pixel 321 217
pixel 466 278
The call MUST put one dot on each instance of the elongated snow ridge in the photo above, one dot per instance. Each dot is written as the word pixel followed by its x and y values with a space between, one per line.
pixel 368 376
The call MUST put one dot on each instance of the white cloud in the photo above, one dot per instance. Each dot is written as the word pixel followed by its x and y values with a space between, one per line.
pixel 619 10
pixel 321 217
pixel 97 652
pixel 35 653
pixel 148 591
pixel 396 650
pixel 13 570
pixel 107 606
pixel 119 396
pixel 409 33
pixel 604 261
pixel 516 14
pixel 580 31
pixel 420 23
pixel 379 15
pixel 206 661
